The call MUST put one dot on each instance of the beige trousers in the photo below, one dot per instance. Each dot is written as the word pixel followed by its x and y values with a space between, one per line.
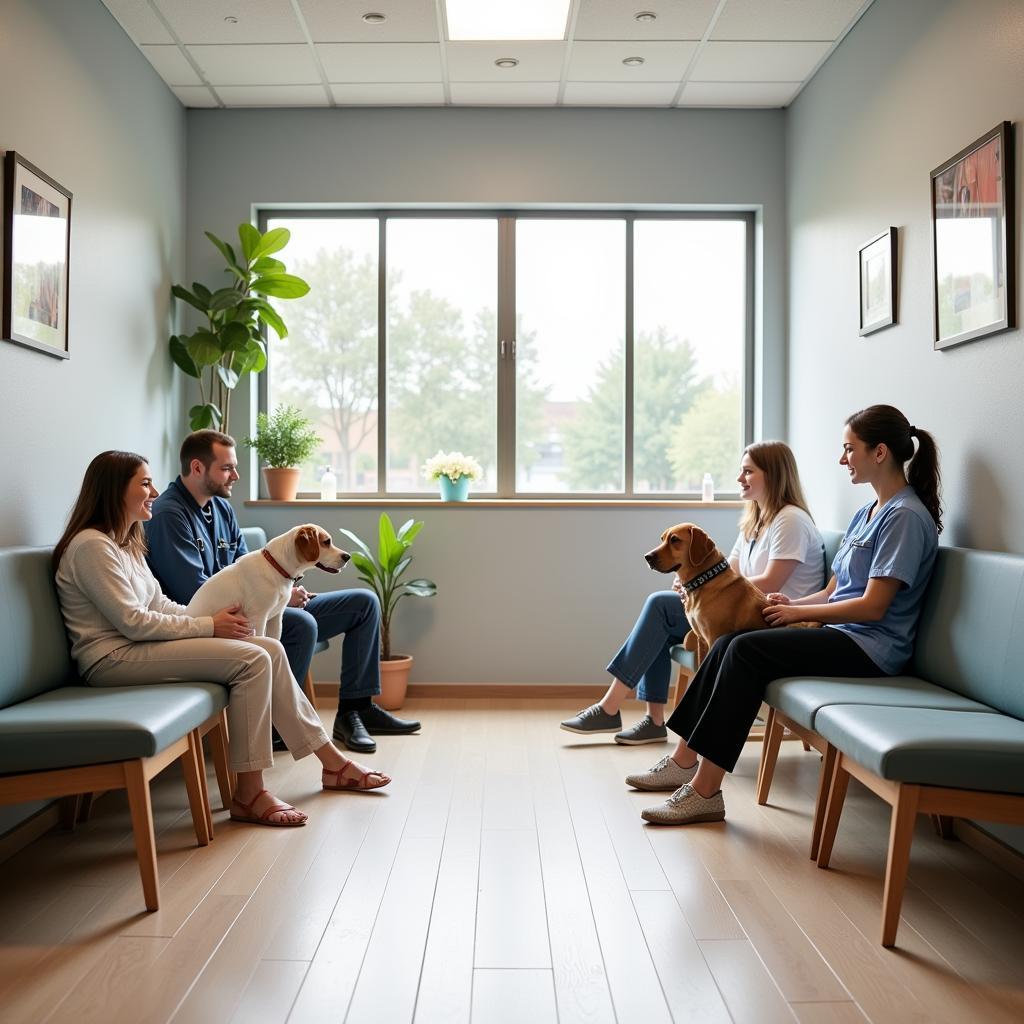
pixel 262 690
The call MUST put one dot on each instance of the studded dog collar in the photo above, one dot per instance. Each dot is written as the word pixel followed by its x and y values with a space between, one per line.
pixel 704 577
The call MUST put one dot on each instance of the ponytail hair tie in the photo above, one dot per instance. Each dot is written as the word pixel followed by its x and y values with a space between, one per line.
pixel 912 431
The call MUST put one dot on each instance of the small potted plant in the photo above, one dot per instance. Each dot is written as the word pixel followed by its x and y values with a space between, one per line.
pixel 284 440
pixel 382 573
pixel 453 471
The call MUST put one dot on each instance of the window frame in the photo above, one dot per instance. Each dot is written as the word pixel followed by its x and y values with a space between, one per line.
pixel 506 328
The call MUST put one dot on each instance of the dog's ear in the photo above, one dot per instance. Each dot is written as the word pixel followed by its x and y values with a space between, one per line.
pixel 701 545
pixel 307 543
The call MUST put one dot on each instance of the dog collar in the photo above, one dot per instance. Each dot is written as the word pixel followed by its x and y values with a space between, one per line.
pixel 270 558
pixel 704 577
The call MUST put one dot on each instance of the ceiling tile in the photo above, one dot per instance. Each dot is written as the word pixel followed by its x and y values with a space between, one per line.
pixel 602 62
pixel 757 62
pixel 286 64
pixel 194 95
pixel 259 21
pixel 620 94
pixel 380 62
pixel 408 21
pixel 273 95
pixel 738 94
pixel 389 94
pixel 785 19
pixel 136 17
pixel 613 19
pixel 504 94
pixel 539 61
pixel 171 65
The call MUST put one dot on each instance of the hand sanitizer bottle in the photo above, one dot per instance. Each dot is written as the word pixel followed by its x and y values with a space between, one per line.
pixel 328 485
pixel 707 488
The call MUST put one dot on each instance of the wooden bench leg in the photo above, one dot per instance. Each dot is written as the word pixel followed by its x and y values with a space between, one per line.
pixel 828 765
pixel 833 811
pixel 307 687
pixel 901 834
pixel 68 812
pixel 221 763
pixel 85 806
pixel 773 730
pixel 193 766
pixel 943 825
pixel 137 786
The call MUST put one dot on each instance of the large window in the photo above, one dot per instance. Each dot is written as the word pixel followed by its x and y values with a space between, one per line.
pixel 600 354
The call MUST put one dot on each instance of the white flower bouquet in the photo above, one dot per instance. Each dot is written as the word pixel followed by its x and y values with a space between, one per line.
pixel 452 465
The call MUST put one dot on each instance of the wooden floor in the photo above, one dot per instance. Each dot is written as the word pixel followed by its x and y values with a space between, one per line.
pixel 505 876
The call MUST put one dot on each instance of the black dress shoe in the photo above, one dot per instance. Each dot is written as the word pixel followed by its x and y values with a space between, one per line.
pixel 350 731
pixel 383 723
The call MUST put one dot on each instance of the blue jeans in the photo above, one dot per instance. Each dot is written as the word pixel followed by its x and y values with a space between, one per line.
pixel 356 613
pixel 643 661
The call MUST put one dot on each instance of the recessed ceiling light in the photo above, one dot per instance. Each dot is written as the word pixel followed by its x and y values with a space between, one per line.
pixel 506 62
pixel 645 16
pixel 373 18
pixel 231 19
pixel 632 62
pixel 507 19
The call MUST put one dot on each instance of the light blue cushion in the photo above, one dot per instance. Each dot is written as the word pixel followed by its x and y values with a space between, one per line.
pixel 77 725
pixel 959 749
pixel 255 537
pixel 802 698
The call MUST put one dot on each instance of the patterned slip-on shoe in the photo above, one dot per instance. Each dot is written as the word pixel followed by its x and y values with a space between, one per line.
pixel 645 731
pixel 593 719
pixel 686 807
pixel 665 775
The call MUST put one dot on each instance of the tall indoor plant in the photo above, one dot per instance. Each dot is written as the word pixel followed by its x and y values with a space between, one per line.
pixel 382 573
pixel 230 345
pixel 283 440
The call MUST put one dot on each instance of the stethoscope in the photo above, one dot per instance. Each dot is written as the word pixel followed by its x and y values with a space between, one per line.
pixel 222 550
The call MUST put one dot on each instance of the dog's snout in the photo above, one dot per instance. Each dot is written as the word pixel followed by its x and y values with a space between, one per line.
pixel 345 556
pixel 649 558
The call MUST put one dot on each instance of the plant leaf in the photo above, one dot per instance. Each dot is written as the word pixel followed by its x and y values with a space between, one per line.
pixel 224 298
pixel 268 265
pixel 252 359
pixel 204 348
pixel 270 317
pixel 186 296
pixel 273 241
pixel 181 358
pixel 389 549
pixel 358 543
pixel 225 250
pixel 228 377
pixel 281 286
pixel 203 416
pixel 407 534
pixel 250 238
pixel 200 291
pixel 365 565
pixel 402 566
pixel 234 337
pixel 421 588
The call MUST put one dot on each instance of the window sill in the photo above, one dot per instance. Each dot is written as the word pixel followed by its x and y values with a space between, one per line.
pixel 429 502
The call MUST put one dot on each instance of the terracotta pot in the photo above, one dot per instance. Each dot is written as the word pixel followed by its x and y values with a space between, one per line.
pixel 394 680
pixel 282 484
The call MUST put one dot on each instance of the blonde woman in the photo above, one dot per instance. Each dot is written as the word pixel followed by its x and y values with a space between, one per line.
pixel 779 549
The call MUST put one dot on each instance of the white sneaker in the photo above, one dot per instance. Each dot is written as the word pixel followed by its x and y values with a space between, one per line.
pixel 665 775
pixel 685 807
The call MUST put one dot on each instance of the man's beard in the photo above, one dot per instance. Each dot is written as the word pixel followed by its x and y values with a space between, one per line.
pixel 214 490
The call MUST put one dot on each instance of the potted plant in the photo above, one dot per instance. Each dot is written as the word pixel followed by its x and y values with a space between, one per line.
pixel 284 440
pixel 453 471
pixel 383 574
pixel 231 344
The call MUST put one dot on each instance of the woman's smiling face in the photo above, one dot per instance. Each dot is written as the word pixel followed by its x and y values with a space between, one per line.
pixel 857 457
pixel 753 486
pixel 138 496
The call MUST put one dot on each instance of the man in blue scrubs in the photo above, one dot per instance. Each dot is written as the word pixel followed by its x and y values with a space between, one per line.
pixel 194 533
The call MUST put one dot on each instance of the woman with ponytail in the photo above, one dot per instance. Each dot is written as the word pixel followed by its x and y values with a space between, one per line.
pixel 869 609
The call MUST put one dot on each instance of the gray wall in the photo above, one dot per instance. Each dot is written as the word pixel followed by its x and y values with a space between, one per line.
pixel 81 102
pixel 526 595
pixel 914 83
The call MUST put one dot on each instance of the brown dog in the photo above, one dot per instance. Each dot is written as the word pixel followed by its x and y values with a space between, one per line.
pixel 716 603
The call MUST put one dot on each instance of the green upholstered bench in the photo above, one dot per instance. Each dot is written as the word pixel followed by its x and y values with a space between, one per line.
pixel 60 738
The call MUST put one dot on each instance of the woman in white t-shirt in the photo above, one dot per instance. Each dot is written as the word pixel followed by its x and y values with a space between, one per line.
pixel 779 549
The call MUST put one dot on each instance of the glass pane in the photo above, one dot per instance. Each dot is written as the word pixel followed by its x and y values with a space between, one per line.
pixel 570 397
pixel 442 390
pixel 689 321
pixel 327 366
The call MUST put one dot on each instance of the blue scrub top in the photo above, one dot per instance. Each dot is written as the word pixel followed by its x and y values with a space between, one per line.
pixel 899 542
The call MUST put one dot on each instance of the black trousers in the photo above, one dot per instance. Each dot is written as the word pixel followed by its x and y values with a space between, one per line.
pixel 723 698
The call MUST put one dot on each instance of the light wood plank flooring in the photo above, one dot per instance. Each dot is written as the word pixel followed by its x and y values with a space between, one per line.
pixel 505 876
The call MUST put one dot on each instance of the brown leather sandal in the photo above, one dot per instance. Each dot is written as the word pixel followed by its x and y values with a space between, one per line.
pixel 253 818
pixel 366 780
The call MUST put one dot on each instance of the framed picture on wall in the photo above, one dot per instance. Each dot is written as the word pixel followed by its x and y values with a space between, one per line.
pixel 878 282
pixel 972 240
pixel 37 241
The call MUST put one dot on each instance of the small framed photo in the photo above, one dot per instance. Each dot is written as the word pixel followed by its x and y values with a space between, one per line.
pixel 878 282
pixel 37 246
pixel 972 240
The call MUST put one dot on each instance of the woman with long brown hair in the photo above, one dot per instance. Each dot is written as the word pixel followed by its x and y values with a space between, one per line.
pixel 125 632
pixel 778 549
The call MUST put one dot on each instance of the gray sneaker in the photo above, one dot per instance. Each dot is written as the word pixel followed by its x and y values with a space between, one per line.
pixel 645 731
pixel 593 719
pixel 685 807
pixel 665 775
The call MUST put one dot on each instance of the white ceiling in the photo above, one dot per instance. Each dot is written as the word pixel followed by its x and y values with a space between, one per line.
pixel 320 53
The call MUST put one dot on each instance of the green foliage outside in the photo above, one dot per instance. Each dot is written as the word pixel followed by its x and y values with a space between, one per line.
pixel 285 438
pixel 708 439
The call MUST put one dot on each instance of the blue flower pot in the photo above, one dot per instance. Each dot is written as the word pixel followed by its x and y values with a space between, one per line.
pixel 454 490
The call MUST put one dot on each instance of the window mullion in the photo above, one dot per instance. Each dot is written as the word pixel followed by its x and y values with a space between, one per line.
pixel 505 355
pixel 382 356
pixel 628 424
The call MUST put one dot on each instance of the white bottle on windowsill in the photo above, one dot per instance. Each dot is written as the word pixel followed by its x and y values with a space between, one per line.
pixel 328 485
pixel 707 488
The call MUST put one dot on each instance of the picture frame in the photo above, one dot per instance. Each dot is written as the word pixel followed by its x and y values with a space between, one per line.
pixel 37 250
pixel 973 267
pixel 878 272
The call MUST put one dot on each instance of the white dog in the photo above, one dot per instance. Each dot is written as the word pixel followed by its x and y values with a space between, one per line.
pixel 262 581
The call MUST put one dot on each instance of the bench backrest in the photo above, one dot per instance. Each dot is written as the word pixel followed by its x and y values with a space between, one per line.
pixel 255 537
pixel 832 539
pixel 971 635
pixel 34 655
